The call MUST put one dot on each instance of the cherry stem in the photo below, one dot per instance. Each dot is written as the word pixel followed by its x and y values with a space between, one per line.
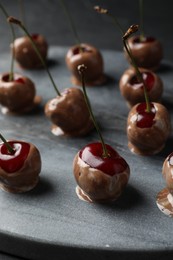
pixel 72 26
pixel 81 69
pixel 131 30
pixel 19 23
pixel 22 11
pixel 101 10
pixel 13 39
pixel 141 12
pixel 9 148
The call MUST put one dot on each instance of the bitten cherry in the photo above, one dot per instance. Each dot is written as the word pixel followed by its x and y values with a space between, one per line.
pixel 19 167
pixel 165 197
pixel 147 132
pixel 132 89
pixel 100 172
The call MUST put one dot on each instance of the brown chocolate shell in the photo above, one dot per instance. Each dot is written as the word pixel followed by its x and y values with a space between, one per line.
pixel 16 96
pixel 26 178
pixel 69 112
pixel 136 95
pixel 91 58
pixel 147 54
pixel 25 54
pixel 96 186
pixel 148 141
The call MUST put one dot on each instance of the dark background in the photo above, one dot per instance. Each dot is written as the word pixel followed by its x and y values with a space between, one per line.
pixel 47 17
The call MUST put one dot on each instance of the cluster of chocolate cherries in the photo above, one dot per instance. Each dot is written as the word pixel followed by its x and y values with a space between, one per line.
pixel 100 172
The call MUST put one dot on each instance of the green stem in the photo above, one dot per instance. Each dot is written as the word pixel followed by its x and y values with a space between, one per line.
pixel 139 76
pixel 9 148
pixel 105 151
pixel 13 39
pixel 71 23
pixel 141 12
pixel 16 21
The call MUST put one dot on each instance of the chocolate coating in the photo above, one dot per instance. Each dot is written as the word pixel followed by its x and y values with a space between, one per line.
pixel 69 112
pixel 25 54
pixel 147 54
pixel 136 95
pixel 95 185
pixel 165 197
pixel 91 58
pixel 148 141
pixel 26 178
pixel 16 96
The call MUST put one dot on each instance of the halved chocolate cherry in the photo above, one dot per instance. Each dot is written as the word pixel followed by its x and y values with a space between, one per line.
pixel 69 113
pixel 165 197
pixel 147 52
pixel 100 178
pixel 17 95
pixel 147 132
pixel 24 53
pixel 19 170
pixel 132 90
pixel 92 58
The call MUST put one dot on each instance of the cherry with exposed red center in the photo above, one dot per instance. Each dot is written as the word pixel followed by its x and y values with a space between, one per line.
pixel 79 49
pixel 12 162
pixel 92 155
pixel 148 79
pixel 165 196
pixel 145 119
pixel 20 166
pixel 100 172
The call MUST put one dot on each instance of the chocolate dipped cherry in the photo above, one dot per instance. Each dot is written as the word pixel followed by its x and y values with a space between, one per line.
pixel 92 58
pixel 132 88
pixel 69 113
pixel 147 132
pixel 17 95
pixel 100 178
pixel 25 54
pixel 147 52
pixel 165 197
pixel 19 167
pixel 100 172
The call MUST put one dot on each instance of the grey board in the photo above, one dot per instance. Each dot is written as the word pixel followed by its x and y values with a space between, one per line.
pixel 50 222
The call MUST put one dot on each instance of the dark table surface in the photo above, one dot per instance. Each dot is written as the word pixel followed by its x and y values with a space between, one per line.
pixel 47 18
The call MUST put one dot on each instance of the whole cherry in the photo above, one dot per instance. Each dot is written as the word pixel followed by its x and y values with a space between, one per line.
pixel 100 172
pixel 165 196
pixel 83 53
pixel 132 89
pixel 20 166
pixel 67 111
pixel 146 50
pixel 25 54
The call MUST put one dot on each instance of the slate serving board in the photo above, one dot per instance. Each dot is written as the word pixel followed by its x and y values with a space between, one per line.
pixel 50 222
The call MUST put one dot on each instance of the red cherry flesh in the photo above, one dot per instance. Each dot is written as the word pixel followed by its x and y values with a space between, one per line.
pixel 78 50
pixel 148 79
pixel 148 39
pixel 19 79
pixel 13 162
pixel 34 36
pixel 145 119
pixel 92 154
